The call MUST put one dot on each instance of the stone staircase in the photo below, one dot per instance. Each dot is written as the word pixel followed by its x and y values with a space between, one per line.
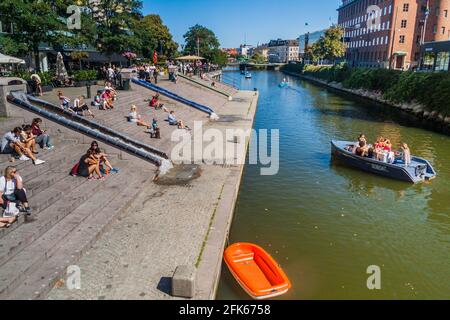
pixel 69 213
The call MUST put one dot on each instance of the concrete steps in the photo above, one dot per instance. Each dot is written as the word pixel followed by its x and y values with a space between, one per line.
pixel 69 213
pixel 74 236
pixel 54 231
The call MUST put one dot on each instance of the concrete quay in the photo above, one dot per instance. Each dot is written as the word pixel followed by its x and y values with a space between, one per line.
pixel 167 225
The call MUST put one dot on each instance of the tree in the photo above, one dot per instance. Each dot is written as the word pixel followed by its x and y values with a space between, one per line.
pixel 10 47
pixel 202 37
pixel 115 20
pixel 329 46
pixel 258 58
pixel 34 22
pixel 217 56
pixel 154 36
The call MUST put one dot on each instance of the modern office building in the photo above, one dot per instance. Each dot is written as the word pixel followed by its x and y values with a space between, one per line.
pixel 283 51
pixel 309 39
pixel 391 33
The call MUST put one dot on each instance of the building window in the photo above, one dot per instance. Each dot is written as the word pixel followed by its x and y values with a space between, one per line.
pixel 443 30
pixel 445 13
pixel 442 61
pixel 406 7
pixel 402 39
pixel 435 29
pixel 403 24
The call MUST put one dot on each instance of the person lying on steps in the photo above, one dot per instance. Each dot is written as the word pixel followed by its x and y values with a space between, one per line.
pixel 11 144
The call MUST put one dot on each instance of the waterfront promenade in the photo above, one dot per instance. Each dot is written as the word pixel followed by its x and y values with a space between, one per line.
pixel 166 225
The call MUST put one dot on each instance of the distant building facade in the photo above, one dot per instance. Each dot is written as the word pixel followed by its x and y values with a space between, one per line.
pixel 308 39
pixel 283 51
pixel 262 50
pixel 245 50
pixel 390 33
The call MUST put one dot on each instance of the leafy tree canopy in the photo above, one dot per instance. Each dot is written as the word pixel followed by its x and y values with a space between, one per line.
pixel 207 41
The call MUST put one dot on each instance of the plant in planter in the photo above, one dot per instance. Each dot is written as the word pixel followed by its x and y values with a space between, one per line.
pixel 83 77
pixel 78 56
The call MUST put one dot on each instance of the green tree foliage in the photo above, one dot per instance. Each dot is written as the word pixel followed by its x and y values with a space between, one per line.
pixel 115 20
pixel 432 90
pixel 258 58
pixel 207 41
pixel 10 47
pixel 218 57
pixel 154 36
pixel 329 46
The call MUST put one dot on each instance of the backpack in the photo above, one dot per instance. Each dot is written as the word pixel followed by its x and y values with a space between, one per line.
pixel 74 171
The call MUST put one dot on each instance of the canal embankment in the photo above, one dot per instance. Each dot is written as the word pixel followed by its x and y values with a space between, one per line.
pixel 181 222
pixel 434 115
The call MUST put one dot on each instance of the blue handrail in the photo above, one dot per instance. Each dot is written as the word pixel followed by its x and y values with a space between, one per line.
pixel 173 96
pixel 21 99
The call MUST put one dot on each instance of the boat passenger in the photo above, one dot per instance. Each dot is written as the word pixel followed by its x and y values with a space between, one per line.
pixel 362 150
pixel 406 157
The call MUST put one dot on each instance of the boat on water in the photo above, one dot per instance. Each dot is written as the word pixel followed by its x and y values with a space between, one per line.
pixel 256 271
pixel 248 75
pixel 283 84
pixel 419 170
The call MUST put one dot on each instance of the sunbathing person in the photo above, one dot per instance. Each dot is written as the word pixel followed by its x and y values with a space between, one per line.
pixel 133 116
pixel 42 138
pixel 64 101
pixel 28 138
pixel 11 144
pixel 11 190
pixel 107 100
pixel 154 101
pixel 80 107
pixel 173 121
pixel 103 157
pixel 88 165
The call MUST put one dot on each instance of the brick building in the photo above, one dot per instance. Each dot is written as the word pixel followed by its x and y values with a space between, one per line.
pixel 390 33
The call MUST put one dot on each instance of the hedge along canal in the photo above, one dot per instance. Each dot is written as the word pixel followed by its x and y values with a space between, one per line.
pixel 325 223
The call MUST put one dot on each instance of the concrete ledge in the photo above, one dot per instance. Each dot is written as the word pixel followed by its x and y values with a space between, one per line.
pixel 206 86
pixel 183 282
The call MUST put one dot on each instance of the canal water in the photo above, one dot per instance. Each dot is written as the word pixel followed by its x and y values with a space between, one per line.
pixel 326 223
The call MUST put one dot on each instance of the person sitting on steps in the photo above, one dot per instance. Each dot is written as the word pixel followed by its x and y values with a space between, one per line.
pixel 64 101
pixel 134 117
pixel 42 138
pixel 103 157
pixel 173 121
pixel 80 107
pixel 11 144
pixel 12 190
pixel 88 165
pixel 28 138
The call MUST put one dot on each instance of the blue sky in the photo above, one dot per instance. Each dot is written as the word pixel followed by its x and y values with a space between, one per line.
pixel 234 20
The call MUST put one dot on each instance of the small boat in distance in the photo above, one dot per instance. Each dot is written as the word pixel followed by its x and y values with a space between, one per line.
pixel 419 170
pixel 248 75
pixel 256 271
pixel 284 83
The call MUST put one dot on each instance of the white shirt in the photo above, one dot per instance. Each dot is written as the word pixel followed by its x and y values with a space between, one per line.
pixel 10 186
pixel 133 116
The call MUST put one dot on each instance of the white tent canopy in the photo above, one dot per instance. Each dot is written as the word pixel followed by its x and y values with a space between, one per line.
pixel 4 59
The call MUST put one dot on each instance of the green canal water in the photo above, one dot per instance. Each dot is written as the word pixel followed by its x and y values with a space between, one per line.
pixel 325 223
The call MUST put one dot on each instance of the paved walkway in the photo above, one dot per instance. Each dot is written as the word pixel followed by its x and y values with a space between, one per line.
pixel 167 226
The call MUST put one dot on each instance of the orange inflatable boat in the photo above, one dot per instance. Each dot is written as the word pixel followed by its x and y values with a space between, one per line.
pixel 256 271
